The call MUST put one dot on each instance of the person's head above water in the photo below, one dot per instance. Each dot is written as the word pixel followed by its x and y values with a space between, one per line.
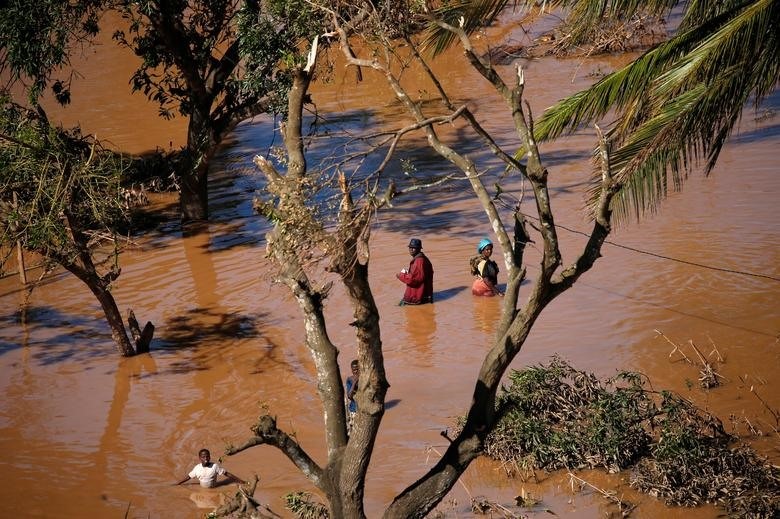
pixel 415 246
pixel 205 457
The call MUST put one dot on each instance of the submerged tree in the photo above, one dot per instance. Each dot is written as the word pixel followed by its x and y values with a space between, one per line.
pixel 216 63
pixel 60 197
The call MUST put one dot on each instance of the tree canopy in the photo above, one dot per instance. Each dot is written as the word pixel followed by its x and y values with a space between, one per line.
pixel 48 172
pixel 37 39
pixel 61 197
pixel 216 63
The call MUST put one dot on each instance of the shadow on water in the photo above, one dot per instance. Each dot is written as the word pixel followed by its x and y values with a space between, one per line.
pixel 233 224
pixel 202 332
pixel 555 158
pixel 198 328
pixel 767 133
pixel 48 280
pixel 206 325
pixel 62 336
pixel 443 295
pixel 338 140
pixel 160 218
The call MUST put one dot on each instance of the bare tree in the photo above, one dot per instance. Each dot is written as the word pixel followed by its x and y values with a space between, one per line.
pixel 303 240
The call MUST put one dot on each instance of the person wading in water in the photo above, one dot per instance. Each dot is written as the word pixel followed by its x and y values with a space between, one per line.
pixel 418 278
pixel 485 271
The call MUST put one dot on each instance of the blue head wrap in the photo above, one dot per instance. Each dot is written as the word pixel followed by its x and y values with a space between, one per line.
pixel 484 242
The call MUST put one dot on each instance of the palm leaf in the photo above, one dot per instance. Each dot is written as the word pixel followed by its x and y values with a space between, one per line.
pixel 586 14
pixel 474 13
pixel 622 88
pixel 679 102
pixel 676 104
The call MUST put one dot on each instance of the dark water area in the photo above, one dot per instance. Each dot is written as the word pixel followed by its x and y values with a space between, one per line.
pixel 87 434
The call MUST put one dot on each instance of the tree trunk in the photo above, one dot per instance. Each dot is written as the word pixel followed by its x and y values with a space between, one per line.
pixel 193 197
pixel 99 285
pixel 194 175
pixel 114 318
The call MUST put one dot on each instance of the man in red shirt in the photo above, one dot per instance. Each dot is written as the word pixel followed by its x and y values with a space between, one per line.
pixel 418 277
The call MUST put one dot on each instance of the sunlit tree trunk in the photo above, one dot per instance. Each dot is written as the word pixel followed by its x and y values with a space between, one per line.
pixel 342 478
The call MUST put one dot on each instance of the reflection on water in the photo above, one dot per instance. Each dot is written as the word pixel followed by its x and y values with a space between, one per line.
pixel 420 333
pixel 86 434
pixel 207 498
pixel 487 312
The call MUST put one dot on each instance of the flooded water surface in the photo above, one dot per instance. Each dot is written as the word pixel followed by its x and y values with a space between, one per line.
pixel 87 434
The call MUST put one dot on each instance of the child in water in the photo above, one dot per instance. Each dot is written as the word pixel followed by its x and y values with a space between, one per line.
pixel 207 472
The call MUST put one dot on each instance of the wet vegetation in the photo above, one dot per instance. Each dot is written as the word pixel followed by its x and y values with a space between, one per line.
pixel 303 506
pixel 638 31
pixel 61 197
pixel 571 39
pixel 556 417
pixel 48 171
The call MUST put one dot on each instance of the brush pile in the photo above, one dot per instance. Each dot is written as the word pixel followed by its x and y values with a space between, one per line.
pixel 554 416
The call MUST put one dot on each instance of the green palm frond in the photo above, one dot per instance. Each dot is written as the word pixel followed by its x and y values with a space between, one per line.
pixel 474 13
pixel 698 10
pixel 643 167
pixel 586 13
pixel 678 103
pixel 621 89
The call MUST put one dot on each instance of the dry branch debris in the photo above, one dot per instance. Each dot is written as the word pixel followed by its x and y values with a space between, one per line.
pixel 554 416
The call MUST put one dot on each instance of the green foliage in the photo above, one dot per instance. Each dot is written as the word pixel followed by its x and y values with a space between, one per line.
pixel 37 37
pixel 302 506
pixel 175 41
pixel 301 20
pixel 676 104
pixel 264 48
pixel 554 416
pixel 566 418
pixel 241 46
pixel 691 464
pixel 53 184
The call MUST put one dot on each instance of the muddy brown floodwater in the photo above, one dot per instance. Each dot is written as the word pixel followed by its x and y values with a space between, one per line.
pixel 84 433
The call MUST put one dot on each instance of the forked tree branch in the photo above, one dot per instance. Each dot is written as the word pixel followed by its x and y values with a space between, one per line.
pixel 266 432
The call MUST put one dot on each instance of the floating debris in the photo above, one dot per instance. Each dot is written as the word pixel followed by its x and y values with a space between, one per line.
pixel 554 416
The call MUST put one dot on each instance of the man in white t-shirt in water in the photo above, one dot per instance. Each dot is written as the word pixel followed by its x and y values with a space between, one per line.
pixel 206 472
